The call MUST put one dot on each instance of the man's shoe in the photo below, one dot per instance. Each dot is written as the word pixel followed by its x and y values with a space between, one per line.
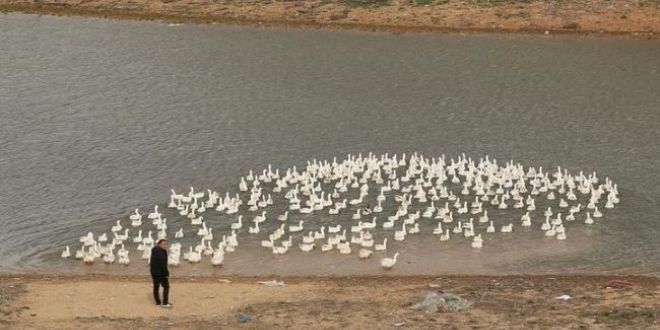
pixel 166 306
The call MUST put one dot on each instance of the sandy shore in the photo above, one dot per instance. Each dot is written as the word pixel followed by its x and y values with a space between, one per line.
pixel 508 302
pixel 627 17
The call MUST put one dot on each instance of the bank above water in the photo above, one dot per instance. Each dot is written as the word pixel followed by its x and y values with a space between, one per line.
pixel 510 302
pixel 627 17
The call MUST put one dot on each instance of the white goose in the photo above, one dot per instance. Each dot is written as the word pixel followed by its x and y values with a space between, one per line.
pixel 238 224
pixel 491 228
pixel 138 238
pixel 589 220
pixel 255 229
pixel 309 238
pixel 320 234
pixel 154 214
pixel 381 247
pixel 368 225
pixel 389 262
pixel 306 247
pixel 365 253
pixel 283 217
pixel 66 253
pixel 400 235
pixel 438 230
pixel 296 228
pixel 116 227
pixel 477 242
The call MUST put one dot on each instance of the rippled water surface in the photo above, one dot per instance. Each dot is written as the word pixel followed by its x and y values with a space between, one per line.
pixel 100 117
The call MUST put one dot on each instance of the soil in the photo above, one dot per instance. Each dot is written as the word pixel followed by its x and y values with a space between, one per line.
pixel 507 302
pixel 626 17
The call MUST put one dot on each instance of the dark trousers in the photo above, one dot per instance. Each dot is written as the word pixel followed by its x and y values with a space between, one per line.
pixel 165 282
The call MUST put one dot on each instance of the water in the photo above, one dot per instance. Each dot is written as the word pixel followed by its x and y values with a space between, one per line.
pixel 99 117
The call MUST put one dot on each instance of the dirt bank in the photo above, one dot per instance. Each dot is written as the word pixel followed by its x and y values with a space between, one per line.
pixel 509 302
pixel 628 17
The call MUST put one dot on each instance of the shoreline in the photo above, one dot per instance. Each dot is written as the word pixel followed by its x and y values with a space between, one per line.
pixel 464 17
pixel 37 301
pixel 38 276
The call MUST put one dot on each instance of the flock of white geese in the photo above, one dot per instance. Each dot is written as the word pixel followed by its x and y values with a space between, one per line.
pixel 394 193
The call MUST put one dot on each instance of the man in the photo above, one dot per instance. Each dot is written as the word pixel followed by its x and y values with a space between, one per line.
pixel 159 272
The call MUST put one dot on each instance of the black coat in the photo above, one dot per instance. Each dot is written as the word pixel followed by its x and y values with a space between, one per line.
pixel 158 262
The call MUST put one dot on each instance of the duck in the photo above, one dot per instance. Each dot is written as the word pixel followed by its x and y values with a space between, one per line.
pixel 327 247
pixel 202 231
pixel 283 217
pixel 102 238
pixel 288 243
pixel 589 220
pixel 344 248
pixel 597 214
pixel 334 229
pixel 381 247
pixel 309 238
pixel 154 214
pixel 260 218
pixel 66 253
pixel 218 258
pixel 551 231
pixel 561 236
pixel 388 263
pixel 238 224
pixel 306 247
pixel 209 234
pixel 320 234
pixel 195 257
pixel 477 242
pixel 368 225
pixel 546 225
pixel 136 222
pixel 365 253
pixel 491 228
pixel 89 257
pixel 438 230
pixel 459 228
pixel 268 243
pixel 197 221
pixel 116 227
pixel 138 238
pixel 548 212
pixel 507 228
pixel 296 228
pixel 400 235
pixel 255 229
pixel 124 260
pixel 122 251
pixel 80 253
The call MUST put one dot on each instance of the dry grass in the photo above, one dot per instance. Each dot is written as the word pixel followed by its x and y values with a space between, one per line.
pixel 510 302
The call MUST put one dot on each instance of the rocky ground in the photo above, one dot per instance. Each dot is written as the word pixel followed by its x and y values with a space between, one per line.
pixel 629 17
pixel 509 302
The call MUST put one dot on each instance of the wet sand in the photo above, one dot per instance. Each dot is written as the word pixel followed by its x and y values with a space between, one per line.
pixel 636 18
pixel 507 302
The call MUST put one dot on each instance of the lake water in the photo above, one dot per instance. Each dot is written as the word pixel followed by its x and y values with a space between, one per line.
pixel 99 117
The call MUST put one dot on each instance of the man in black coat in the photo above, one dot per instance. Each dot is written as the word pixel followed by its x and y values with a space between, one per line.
pixel 159 272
